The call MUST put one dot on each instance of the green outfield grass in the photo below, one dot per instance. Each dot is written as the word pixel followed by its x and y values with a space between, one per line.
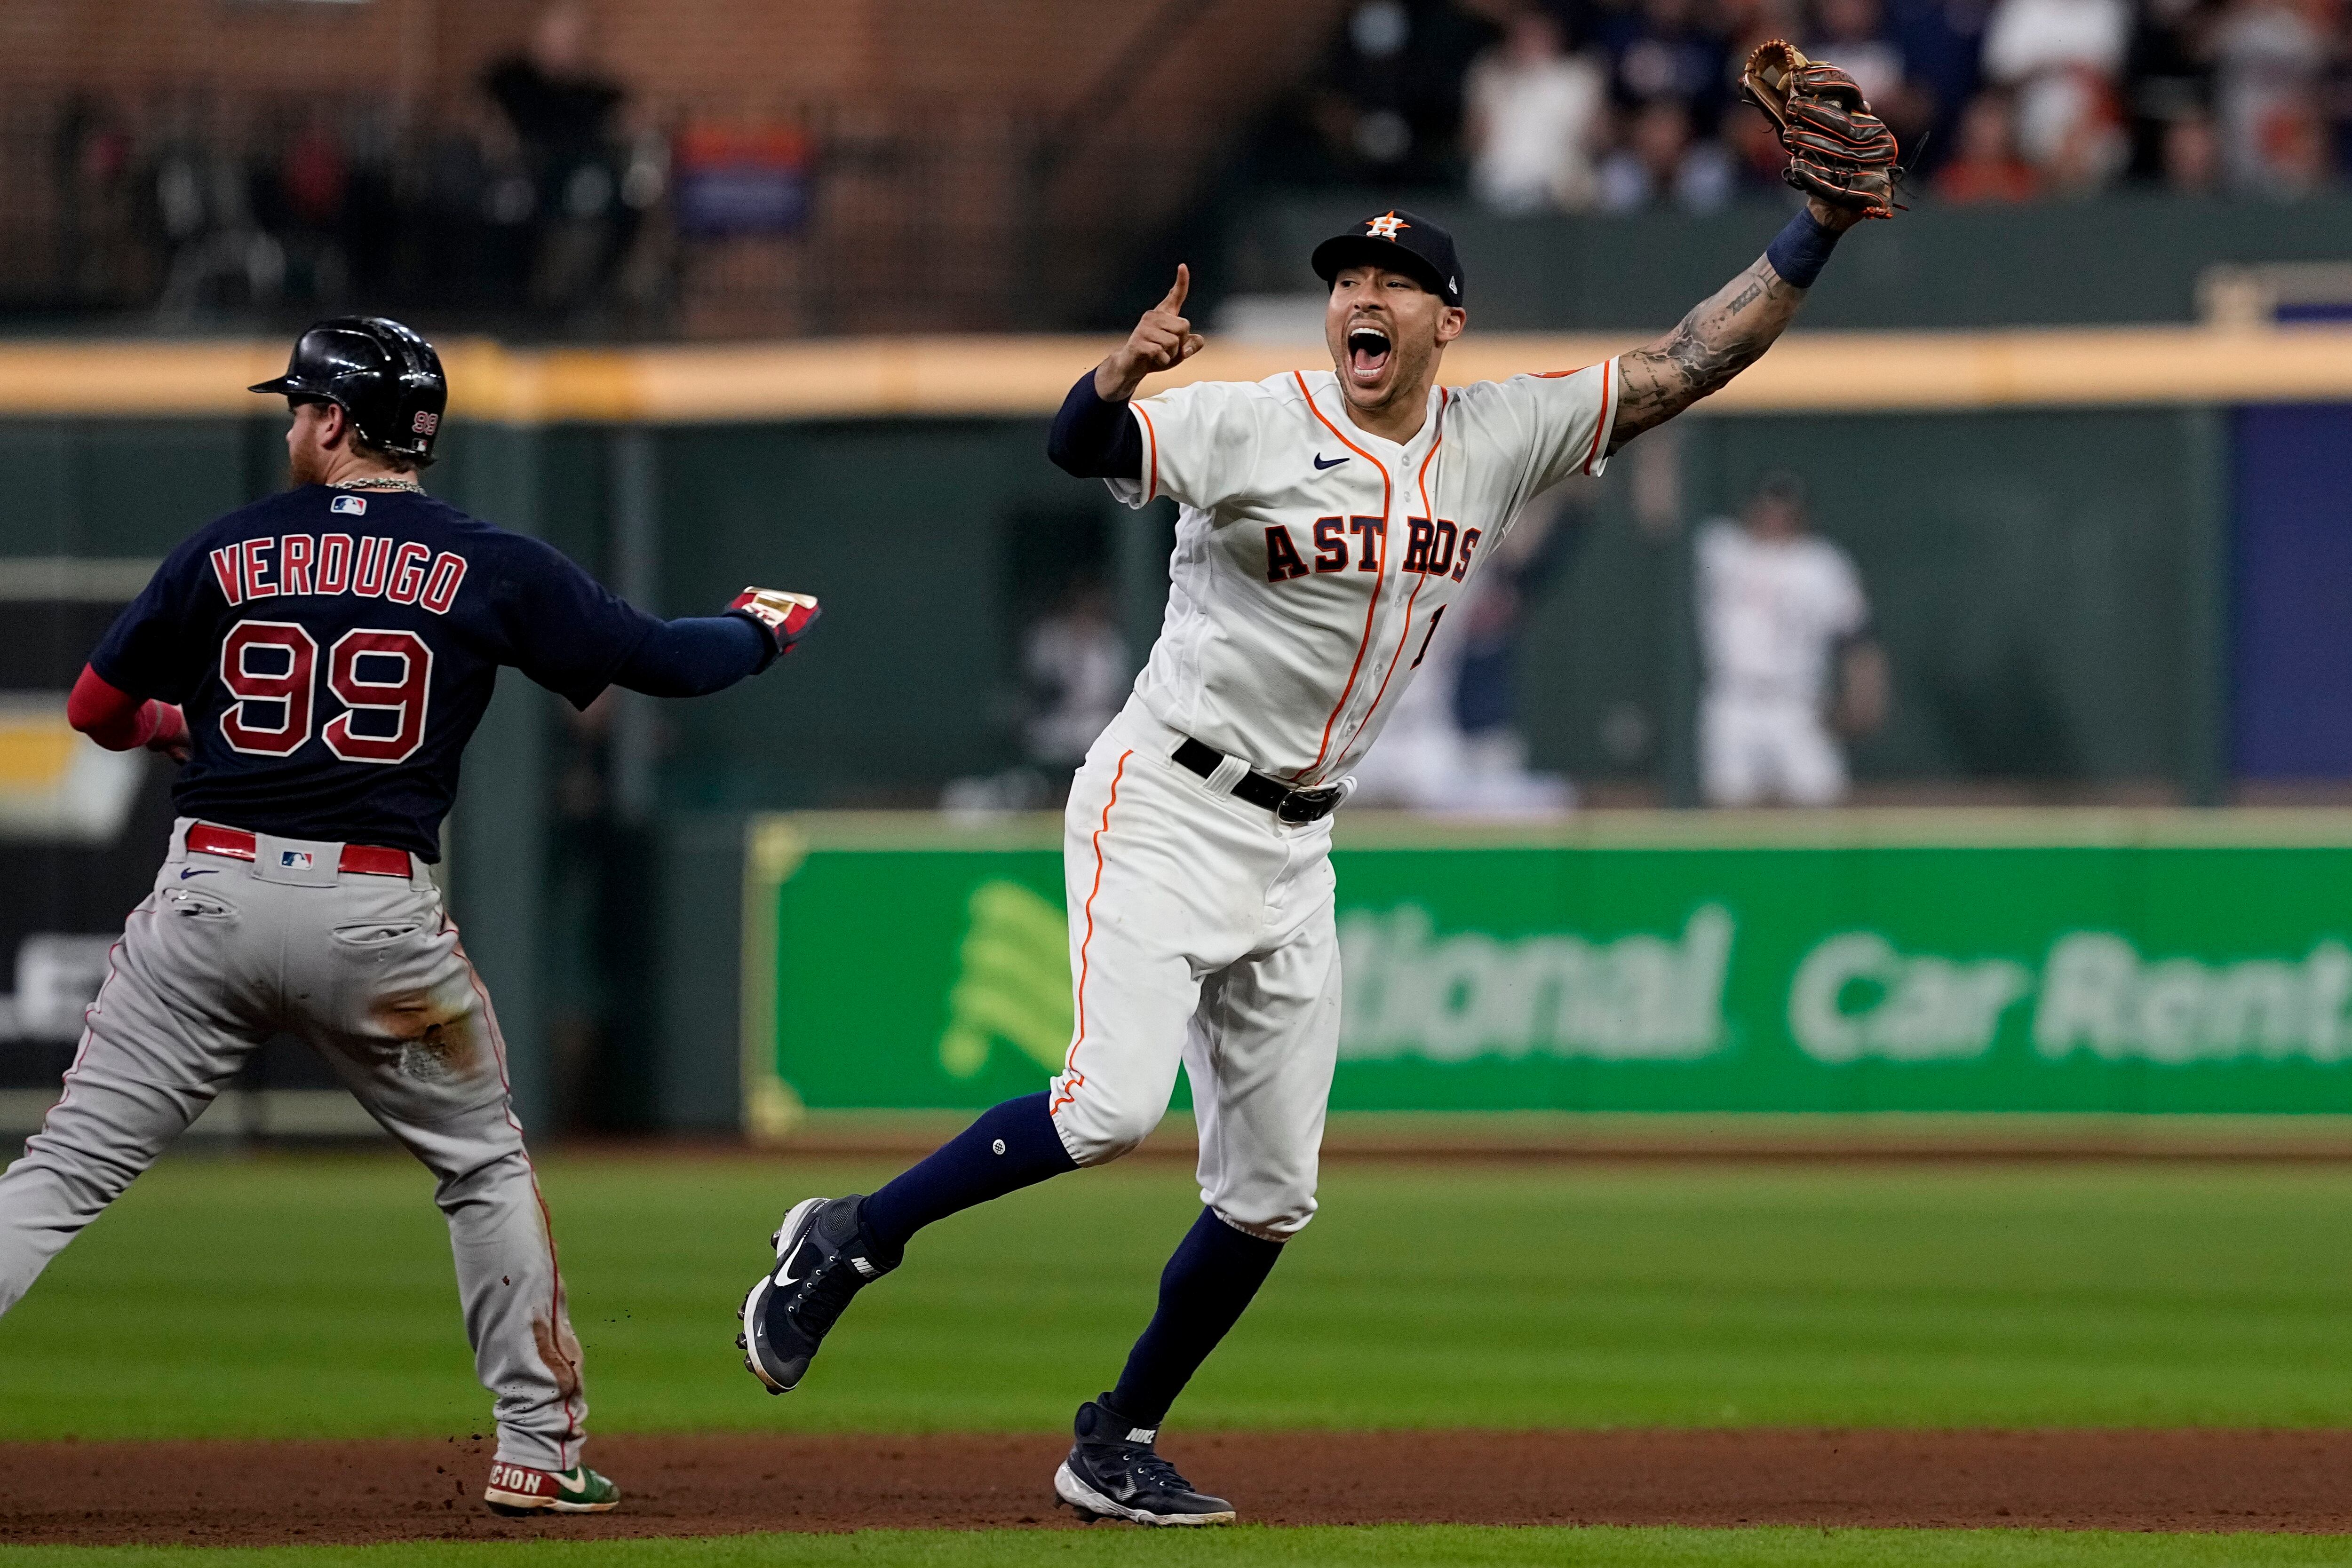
pixel 1379 1546
pixel 313 1296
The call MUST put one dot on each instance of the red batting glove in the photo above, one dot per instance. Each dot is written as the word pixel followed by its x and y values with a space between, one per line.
pixel 784 617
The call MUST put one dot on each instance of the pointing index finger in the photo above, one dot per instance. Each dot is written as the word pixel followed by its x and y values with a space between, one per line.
pixel 1175 300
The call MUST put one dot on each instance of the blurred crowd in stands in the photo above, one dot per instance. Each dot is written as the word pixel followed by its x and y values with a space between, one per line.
pixel 1612 105
pixel 531 194
pixel 544 191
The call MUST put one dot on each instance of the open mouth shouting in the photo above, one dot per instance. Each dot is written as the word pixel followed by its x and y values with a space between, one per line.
pixel 1369 350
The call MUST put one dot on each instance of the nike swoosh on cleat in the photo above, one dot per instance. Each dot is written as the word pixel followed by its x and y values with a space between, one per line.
pixel 1334 462
pixel 784 1281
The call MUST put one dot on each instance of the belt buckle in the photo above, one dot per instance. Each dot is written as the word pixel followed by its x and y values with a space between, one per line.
pixel 1303 805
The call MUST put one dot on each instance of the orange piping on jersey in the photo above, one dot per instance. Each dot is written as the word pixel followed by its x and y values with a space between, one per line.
pixel 1073 1082
pixel 1378 581
pixel 1608 385
pixel 1151 474
pixel 1405 636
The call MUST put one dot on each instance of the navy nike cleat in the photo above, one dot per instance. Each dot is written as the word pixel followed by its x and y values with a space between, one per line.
pixel 1113 1472
pixel 823 1259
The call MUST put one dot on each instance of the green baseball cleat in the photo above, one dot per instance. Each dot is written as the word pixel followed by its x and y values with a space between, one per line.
pixel 518 1489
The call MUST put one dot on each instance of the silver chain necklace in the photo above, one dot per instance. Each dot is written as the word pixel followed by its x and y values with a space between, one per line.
pixel 377 484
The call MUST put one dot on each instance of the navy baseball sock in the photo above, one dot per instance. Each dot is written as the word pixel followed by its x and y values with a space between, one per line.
pixel 1215 1271
pixel 1013 1145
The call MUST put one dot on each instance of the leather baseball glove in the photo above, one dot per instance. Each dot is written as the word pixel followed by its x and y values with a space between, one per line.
pixel 1838 150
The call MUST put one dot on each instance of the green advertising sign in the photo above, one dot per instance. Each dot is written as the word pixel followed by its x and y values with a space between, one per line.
pixel 1873 961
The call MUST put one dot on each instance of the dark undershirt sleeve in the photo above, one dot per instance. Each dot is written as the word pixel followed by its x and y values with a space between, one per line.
pixel 694 657
pixel 1093 439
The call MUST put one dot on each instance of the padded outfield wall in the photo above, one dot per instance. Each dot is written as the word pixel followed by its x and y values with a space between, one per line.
pixel 2045 521
pixel 2077 962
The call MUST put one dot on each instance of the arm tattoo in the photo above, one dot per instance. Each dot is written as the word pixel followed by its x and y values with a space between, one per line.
pixel 1715 342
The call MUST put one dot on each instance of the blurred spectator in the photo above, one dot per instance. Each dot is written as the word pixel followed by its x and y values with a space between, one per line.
pixel 1851 32
pixel 1755 153
pixel 2271 62
pixel 1389 107
pixel 1781 617
pixel 220 257
pixel 1077 671
pixel 2193 155
pixel 478 202
pixel 1663 53
pixel 1660 161
pixel 2169 77
pixel 99 253
pixel 1854 34
pixel 1533 113
pixel 1986 167
pixel 2063 60
pixel 1943 49
pixel 563 114
pixel 306 206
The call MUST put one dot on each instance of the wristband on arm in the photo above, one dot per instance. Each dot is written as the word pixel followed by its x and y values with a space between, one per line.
pixel 1093 439
pixel 120 722
pixel 1801 249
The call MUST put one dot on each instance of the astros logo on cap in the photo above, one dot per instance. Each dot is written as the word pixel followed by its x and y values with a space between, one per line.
pixel 1386 226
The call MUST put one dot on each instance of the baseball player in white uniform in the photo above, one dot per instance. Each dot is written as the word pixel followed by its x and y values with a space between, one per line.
pixel 1328 521
pixel 1781 619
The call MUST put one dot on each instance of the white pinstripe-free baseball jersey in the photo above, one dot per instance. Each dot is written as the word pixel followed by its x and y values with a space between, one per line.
pixel 1314 558
pixel 1313 561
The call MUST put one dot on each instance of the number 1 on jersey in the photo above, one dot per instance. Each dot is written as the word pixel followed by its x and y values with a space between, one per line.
pixel 1428 637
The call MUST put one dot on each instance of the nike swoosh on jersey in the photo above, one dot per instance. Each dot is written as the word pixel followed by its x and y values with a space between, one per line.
pixel 1334 462
pixel 199 871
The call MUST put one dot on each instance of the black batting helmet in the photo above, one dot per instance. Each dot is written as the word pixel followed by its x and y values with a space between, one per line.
pixel 385 378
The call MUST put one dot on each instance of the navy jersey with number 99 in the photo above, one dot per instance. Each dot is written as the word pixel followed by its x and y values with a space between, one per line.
pixel 333 652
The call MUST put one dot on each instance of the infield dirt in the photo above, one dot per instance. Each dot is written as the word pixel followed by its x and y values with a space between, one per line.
pixel 232 1493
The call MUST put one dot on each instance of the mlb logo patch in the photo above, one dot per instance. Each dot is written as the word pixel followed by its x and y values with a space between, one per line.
pixel 294 859
pixel 354 505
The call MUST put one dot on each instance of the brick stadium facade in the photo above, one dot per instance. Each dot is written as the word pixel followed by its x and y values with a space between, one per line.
pixel 960 153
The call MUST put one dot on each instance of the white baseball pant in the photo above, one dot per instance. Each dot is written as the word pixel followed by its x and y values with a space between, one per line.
pixel 1200 931
pixel 1755 751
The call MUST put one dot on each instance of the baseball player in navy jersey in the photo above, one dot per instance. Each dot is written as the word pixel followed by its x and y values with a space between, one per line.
pixel 316 662
pixel 1328 521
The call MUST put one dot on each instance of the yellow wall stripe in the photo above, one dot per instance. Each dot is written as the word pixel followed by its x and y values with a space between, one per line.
pixel 949 376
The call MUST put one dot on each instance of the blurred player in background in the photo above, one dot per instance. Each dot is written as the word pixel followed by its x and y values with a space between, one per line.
pixel 1077 669
pixel 316 662
pixel 1790 658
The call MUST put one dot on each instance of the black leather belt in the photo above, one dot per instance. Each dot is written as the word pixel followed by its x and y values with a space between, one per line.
pixel 1287 805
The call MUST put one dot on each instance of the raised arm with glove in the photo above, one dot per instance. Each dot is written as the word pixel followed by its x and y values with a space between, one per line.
pixel 1843 158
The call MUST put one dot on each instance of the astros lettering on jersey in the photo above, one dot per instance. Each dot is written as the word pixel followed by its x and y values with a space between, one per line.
pixel 1314 559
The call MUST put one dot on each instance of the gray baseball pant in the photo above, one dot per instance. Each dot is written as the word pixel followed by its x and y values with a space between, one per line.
pixel 368 969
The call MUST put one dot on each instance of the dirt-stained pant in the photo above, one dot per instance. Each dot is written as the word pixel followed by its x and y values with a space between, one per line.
pixel 368 969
